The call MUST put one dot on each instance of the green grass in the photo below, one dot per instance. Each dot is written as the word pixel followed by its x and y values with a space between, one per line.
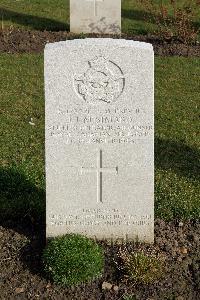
pixel 22 181
pixel 35 14
pixel 177 143
pixel 54 15
pixel 73 259
pixel 177 92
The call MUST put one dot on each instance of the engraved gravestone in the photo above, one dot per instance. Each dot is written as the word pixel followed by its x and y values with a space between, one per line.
pixel 99 139
pixel 95 16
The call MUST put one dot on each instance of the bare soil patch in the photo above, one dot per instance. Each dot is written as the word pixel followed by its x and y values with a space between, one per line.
pixel 21 275
pixel 23 41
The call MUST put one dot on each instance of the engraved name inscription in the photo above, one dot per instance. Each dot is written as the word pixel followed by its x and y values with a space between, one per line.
pixel 104 126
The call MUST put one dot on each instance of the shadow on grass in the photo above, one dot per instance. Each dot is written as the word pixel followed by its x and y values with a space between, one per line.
pixel 22 204
pixel 35 22
pixel 138 15
pixel 22 209
pixel 182 159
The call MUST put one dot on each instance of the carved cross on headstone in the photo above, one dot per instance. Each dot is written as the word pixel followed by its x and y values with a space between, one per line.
pixel 99 170
pixel 95 5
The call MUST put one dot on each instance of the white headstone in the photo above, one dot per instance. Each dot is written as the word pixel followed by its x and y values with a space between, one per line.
pixel 95 16
pixel 99 139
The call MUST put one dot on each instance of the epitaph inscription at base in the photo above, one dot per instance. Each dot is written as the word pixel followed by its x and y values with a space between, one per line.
pixel 99 139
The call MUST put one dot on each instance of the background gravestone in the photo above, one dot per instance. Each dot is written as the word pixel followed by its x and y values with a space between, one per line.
pixel 95 16
pixel 99 138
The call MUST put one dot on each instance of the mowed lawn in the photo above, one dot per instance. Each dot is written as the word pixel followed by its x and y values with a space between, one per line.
pixel 54 15
pixel 177 153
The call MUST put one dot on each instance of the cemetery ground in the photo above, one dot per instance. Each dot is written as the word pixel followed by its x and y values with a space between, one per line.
pixel 176 182
pixel 22 181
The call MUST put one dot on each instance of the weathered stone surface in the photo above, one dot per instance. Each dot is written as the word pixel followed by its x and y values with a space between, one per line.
pixel 99 139
pixel 95 16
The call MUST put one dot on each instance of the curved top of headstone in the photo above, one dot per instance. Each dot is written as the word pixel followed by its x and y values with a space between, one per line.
pixel 99 41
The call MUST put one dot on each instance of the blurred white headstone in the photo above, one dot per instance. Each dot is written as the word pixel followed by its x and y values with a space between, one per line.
pixel 95 16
